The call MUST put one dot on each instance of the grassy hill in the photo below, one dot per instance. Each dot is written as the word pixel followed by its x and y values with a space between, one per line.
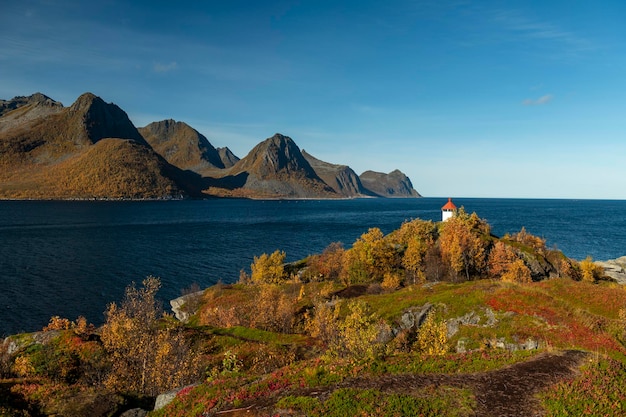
pixel 431 319
pixel 110 168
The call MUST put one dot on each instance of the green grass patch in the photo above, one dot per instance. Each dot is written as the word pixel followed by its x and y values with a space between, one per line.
pixel 599 390
pixel 261 336
pixel 443 401
pixel 454 363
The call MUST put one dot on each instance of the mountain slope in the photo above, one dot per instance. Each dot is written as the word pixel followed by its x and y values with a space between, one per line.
pixel 394 184
pixel 182 146
pixel 341 178
pixel 51 151
pixel 275 168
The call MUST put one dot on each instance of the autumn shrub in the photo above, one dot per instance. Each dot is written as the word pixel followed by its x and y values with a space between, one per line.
pixel 58 323
pixel 500 259
pixel 23 366
pixel 413 259
pixel 322 322
pixel 536 243
pixel 432 337
pixel 146 356
pixel 590 272
pixel 391 281
pixel 517 272
pixel 273 309
pixel 270 357
pixel 328 264
pixel 358 334
pixel 268 269
pixel 422 230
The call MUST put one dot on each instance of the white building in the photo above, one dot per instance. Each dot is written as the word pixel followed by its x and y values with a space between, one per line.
pixel 448 210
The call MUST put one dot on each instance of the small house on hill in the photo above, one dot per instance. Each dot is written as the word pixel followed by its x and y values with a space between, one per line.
pixel 448 210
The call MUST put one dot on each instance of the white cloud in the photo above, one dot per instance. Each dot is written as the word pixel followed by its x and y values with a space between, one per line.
pixel 538 102
pixel 163 68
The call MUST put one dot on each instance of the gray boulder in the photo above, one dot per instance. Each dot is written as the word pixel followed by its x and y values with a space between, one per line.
pixel 186 306
pixel 615 268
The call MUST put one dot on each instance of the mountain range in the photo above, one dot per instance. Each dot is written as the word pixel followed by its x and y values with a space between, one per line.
pixel 91 149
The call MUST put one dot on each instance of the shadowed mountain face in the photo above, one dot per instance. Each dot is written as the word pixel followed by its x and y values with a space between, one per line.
pixel 394 184
pixel 227 157
pixel 341 178
pixel 104 120
pixel 182 146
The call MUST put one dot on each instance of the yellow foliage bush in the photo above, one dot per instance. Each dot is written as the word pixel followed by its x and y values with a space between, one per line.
pixel 268 269
pixel 322 323
pixel 391 281
pixel 590 271
pixel 517 272
pixel 357 335
pixel 432 337
pixel 145 356
pixel 58 323
pixel 23 366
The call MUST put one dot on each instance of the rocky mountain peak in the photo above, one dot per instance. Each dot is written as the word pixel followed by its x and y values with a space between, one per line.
pixel 182 145
pixel 394 184
pixel 228 158
pixel 104 120
pixel 34 99
pixel 276 155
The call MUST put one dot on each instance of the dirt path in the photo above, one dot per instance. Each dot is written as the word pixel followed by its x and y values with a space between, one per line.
pixel 507 392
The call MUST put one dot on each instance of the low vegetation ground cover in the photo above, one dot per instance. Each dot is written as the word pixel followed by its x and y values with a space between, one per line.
pixel 429 320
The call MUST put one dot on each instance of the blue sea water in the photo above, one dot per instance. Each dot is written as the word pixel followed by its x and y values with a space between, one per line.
pixel 71 258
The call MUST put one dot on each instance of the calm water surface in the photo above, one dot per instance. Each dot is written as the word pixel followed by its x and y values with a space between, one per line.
pixel 72 258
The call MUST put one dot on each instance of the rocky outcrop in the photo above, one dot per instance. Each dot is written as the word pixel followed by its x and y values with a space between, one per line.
pixel 186 306
pixel 228 158
pixel 487 319
pixel 182 146
pixel 615 268
pixel 164 399
pixel 341 178
pixel 394 184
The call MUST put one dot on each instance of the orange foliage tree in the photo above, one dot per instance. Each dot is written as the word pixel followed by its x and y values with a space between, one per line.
pixel 463 242
pixel 327 265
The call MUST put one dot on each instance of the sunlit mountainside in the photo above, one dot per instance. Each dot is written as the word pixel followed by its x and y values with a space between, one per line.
pixel 48 151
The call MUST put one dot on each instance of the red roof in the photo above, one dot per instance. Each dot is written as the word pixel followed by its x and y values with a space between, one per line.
pixel 449 205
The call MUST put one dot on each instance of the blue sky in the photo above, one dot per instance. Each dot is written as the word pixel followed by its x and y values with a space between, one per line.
pixel 468 98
